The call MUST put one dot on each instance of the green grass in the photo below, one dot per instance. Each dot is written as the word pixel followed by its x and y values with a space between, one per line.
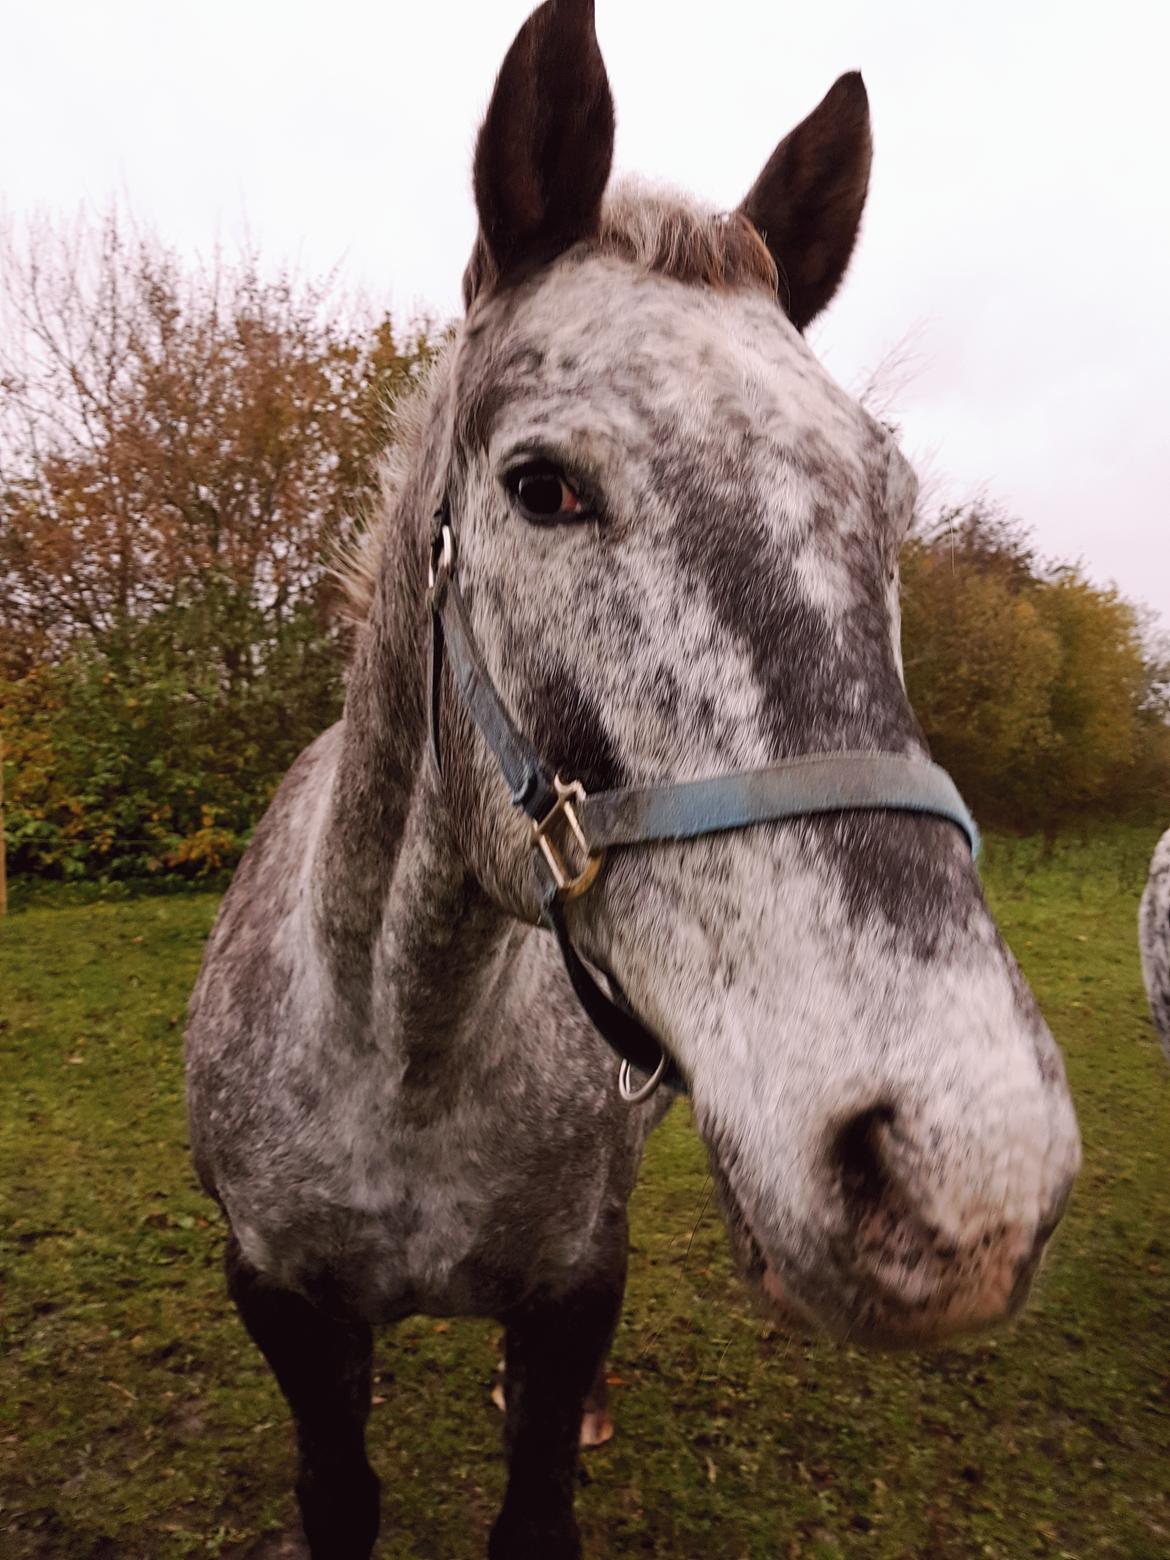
pixel 136 1421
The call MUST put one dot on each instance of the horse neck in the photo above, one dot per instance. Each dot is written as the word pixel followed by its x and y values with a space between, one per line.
pixel 413 943
pixel 377 774
pixel 379 766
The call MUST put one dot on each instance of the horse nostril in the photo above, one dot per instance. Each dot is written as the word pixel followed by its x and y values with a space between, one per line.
pixel 859 1162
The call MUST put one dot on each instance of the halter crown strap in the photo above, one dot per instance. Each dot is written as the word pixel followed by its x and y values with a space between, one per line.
pixel 528 780
pixel 815 783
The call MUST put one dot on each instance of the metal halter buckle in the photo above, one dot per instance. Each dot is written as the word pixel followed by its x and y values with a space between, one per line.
pixel 569 886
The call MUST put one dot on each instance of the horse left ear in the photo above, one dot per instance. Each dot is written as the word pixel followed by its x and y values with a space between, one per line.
pixel 808 201
pixel 545 150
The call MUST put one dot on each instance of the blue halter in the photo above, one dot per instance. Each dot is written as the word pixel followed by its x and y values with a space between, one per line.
pixel 567 821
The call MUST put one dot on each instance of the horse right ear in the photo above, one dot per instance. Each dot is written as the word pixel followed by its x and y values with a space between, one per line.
pixel 807 203
pixel 545 149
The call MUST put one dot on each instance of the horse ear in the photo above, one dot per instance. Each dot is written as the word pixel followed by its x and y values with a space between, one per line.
pixel 545 150
pixel 808 201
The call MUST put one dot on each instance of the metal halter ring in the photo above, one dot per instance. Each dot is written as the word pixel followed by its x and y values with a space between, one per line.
pixel 635 1096
pixel 442 556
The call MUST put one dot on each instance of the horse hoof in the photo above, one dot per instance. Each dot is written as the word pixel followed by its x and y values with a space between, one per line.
pixel 596 1429
pixel 596 1425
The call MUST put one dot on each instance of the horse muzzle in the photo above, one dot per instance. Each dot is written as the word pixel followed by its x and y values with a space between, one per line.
pixel 906 1245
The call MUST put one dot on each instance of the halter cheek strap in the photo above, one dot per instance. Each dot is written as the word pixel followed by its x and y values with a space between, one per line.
pixel 569 825
pixel 544 799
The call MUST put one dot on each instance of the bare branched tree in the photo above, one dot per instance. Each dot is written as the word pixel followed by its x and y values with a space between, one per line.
pixel 161 428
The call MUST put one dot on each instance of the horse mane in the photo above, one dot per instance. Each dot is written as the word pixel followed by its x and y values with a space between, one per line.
pixel 357 560
pixel 656 229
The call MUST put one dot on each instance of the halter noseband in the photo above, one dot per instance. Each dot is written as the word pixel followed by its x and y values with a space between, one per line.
pixel 565 818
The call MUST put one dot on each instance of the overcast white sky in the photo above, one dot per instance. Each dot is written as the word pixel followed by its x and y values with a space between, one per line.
pixel 1018 223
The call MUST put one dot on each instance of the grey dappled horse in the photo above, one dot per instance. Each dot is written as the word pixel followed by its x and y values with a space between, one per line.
pixel 1154 939
pixel 676 540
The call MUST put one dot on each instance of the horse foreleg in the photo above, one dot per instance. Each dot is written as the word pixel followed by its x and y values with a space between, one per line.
pixel 323 1366
pixel 555 1353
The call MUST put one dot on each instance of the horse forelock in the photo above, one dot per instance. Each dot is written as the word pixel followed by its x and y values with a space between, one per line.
pixel 675 236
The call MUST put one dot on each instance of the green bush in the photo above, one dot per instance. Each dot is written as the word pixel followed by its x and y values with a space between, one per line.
pixel 146 754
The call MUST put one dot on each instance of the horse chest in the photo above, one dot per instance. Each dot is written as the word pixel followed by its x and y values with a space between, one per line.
pixel 465 1216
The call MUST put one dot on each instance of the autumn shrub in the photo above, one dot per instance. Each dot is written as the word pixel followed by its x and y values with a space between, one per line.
pixel 1041 692
pixel 183 452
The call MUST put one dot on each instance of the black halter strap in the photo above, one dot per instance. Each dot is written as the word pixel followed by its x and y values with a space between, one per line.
pixel 567 824
pixel 534 790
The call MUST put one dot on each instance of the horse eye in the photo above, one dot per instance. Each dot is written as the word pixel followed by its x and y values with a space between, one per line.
pixel 542 495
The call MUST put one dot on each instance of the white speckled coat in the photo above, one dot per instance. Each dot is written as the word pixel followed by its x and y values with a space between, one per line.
pixel 386 1064
pixel 392 1091
pixel 1154 939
